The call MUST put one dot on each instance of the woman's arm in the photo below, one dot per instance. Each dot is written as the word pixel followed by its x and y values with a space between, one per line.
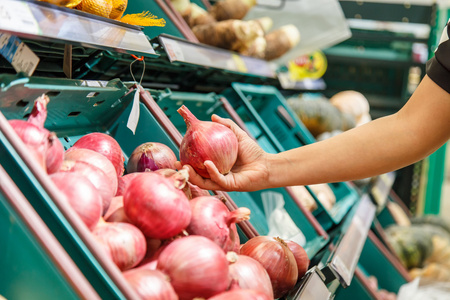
pixel 380 146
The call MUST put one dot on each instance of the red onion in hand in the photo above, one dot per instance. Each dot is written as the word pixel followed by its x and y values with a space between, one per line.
pixel 211 218
pixel 197 267
pixel 241 294
pixel 206 140
pixel 126 242
pixel 96 176
pixel 105 145
pixel 153 156
pixel 249 274
pixel 81 195
pixel 278 260
pixel 301 258
pixel 156 206
pixel 150 284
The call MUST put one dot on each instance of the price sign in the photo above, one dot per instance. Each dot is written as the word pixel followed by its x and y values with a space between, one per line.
pixel 15 15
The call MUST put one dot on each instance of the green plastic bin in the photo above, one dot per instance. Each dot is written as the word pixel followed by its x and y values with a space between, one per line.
pixel 265 106
pixel 203 106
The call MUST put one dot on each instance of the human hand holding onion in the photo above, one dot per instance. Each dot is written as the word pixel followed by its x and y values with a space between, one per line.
pixel 249 172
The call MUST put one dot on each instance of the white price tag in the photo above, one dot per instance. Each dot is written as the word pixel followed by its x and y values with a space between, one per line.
pixel 18 54
pixel 15 15
pixel 173 50
pixel 133 118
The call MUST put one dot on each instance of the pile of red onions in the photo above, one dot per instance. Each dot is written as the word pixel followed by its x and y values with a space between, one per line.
pixel 249 274
pixel 278 260
pixel 115 212
pixel 153 203
pixel 150 284
pixel 211 218
pixel 125 241
pixel 197 267
pixel 207 141
pixel 105 145
pixel 43 145
pixel 152 156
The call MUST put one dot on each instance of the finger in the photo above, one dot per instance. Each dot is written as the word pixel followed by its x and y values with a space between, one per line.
pixel 199 181
pixel 216 176
pixel 178 165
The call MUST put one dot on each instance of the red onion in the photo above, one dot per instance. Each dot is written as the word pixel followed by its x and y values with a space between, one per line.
pixel 278 260
pixel 207 141
pixel 105 145
pixel 153 156
pixel 249 274
pixel 115 212
pixel 233 243
pixel 126 242
pixel 150 284
pixel 96 176
pixel 240 294
pixel 55 154
pixel 81 195
pixel 155 206
pixel 124 181
pixel 196 191
pixel 180 179
pixel 197 267
pixel 212 219
pixel 96 159
pixel 301 258
pixel 32 131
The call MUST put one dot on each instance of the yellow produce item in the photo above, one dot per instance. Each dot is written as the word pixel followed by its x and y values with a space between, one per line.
pixel 118 8
pixel 66 3
pixel 101 8
pixel 143 19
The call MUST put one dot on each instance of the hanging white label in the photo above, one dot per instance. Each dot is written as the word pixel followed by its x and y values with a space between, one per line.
pixel 18 54
pixel 133 118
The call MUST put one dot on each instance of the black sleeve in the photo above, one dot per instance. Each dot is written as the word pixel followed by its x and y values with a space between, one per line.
pixel 438 67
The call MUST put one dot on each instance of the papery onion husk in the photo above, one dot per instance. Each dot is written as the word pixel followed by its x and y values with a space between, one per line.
pixel 125 241
pixel 206 140
pixel 105 145
pixel 156 206
pixel 153 156
pixel 212 218
pixel 197 267
pixel 196 191
pixel 241 294
pixel 96 159
pixel 96 176
pixel 150 284
pixel 82 196
pixel 249 274
pixel 180 179
pixel 278 260
pixel 301 257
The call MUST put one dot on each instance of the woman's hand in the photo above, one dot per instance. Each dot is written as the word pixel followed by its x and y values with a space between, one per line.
pixel 249 173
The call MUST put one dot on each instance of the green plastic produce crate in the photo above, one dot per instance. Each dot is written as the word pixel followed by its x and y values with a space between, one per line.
pixel 76 108
pixel 265 106
pixel 203 106
pixel 33 263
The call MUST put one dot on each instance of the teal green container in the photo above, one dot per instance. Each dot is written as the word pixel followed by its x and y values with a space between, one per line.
pixel 203 106
pixel 265 106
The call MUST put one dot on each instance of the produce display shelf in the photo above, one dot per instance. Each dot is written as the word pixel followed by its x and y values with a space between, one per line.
pixel 359 289
pixel 310 287
pixel 381 188
pixel 203 106
pixel 265 106
pixel 31 254
pixel 43 21
pixel 76 108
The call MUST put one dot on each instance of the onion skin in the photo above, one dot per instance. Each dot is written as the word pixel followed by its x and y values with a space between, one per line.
pixel 150 284
pixel 207 141
pixel 180 179
pixel 105 145
pixel 55 154
pixel 241 294
pixel 153 156
pixel 197 267
pixel 115 212
pixel 82 196
pixel 212 219
pixel 196 191
pixel 124 181
pixel 95 159
pixel 301 258
pixel 155 206
pixel 96 176
pixel 125 241
pixel 249 274
pixel 278 260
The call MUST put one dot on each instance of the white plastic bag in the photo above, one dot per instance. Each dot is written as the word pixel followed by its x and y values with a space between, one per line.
pixel 278 219
pixel 420 290
pixel 321 23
